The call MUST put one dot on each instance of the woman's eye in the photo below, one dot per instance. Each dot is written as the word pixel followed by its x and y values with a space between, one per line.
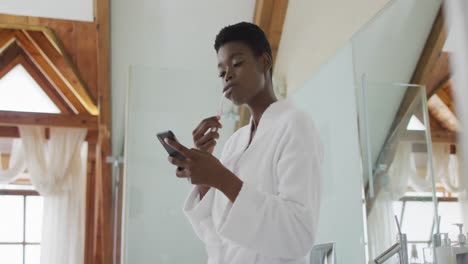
pixel 237 64
pixel 221 75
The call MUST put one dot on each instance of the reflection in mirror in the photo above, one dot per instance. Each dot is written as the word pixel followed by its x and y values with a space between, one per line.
pixel 323 254
pixel 402 176
pixel 408 133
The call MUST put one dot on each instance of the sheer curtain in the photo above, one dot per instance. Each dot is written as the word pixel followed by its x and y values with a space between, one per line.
pixel 58 171
pixel 382 228
pixel 16 165
pixel 453 180
pixel 447 171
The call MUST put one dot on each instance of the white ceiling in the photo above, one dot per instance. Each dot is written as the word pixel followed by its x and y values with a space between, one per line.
pixel 451 44
pixel 165 34
pixel 70 9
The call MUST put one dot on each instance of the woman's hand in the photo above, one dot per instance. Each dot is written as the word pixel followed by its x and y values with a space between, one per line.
pixel 207 141
pixel 205 169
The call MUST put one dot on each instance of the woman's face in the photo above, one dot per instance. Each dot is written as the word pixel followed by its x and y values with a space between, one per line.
pixel 242 73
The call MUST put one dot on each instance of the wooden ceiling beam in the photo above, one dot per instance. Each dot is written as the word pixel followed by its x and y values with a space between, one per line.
pixel 7 58
pixel 443 114
pixel 440 74
pixel 13 56
pixel 434 124
pixel 6 38
pixel 13 132
pixel 46 86
pixel 432 50
pixel 270 16
pixel 8 118
pixel 442 109
pixel 47 70
pixel 263 12
pixel 64 68
pixel 445 93
pixel 103 219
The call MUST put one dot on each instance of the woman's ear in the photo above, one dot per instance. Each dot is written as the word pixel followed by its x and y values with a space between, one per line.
pixel 267 62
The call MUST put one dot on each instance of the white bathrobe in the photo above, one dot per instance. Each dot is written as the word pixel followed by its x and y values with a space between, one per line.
pixel 274 217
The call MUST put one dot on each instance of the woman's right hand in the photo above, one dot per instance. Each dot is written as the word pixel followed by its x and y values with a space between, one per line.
pixel 206 134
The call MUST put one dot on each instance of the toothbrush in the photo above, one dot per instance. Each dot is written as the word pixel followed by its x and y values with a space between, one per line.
pixel 220 111
pixel 220 106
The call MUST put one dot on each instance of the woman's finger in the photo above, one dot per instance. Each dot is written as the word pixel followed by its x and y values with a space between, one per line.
pixel 178 147
pixel 206 120
pixel 205 126
pixel 183 173
pixel 208 137
pixel 179 163
pixel 208 144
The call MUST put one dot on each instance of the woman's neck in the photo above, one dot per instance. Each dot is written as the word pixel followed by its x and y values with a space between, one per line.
pixel 259 104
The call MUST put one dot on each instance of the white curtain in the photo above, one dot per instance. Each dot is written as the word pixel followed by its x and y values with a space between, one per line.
pixel 382 230
pixel 58 171
pixel 447 171
pixel 16 165
pixel 452 180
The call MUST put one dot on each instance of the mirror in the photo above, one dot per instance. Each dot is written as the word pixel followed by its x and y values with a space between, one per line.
pixel 323 254
pixel 399 180
pixel 407 149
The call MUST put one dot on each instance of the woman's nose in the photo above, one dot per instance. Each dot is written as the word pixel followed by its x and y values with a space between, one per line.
pixel 228 76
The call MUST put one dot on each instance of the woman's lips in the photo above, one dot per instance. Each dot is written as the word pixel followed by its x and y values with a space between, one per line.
pixel 228 92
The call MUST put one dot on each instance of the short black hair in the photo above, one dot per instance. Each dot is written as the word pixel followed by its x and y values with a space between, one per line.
pixel 247 33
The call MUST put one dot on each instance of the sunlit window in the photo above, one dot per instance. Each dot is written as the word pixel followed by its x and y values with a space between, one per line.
pixel 20 227
pixel 20 92
pixel 417 220
pixel 415 124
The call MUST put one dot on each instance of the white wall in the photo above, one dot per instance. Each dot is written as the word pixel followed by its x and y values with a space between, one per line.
pixel 314 30
pixel 70 9
pixel 331 103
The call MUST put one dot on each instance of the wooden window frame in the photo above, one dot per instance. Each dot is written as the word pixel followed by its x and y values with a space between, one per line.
pixel 25 194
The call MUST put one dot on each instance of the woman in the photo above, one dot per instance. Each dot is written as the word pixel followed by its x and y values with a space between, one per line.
pixel 260 202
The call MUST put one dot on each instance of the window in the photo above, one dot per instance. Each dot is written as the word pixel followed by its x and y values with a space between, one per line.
pixel 415 124
pixel 416 214
pixel 20 226
pixel 15 85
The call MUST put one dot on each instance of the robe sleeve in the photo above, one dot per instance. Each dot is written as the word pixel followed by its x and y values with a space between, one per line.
pixel 199 214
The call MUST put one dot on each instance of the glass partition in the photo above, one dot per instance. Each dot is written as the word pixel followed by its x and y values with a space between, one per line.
pixel 398 167
pixel 155 229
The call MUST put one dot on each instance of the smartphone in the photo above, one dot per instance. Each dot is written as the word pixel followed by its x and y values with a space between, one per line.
pixel 172 152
